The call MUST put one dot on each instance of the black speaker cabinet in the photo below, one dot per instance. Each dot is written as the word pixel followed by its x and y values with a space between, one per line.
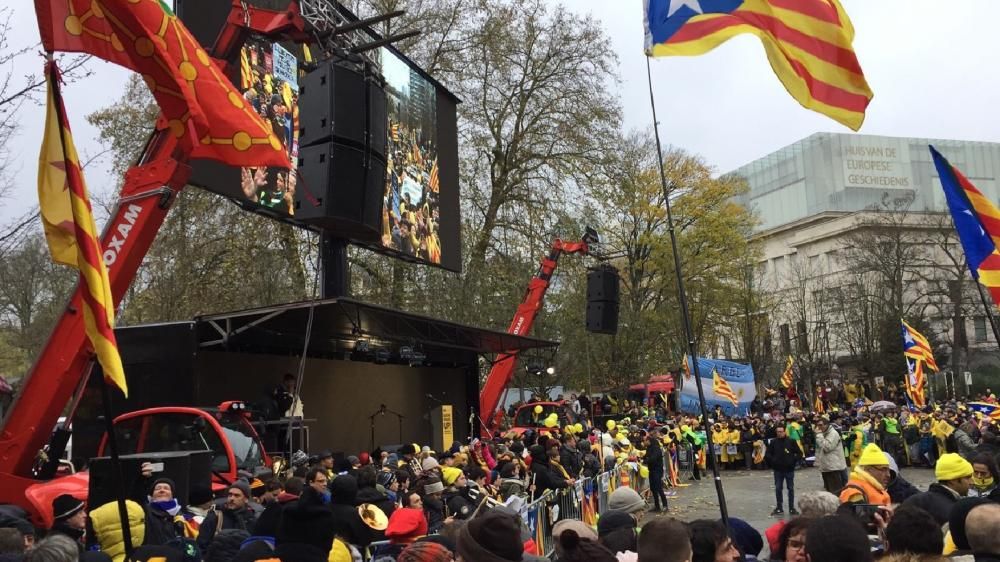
pixel 341 191
pixel 188 470
pixel 602 300
pixel 340 104
pixel 602 284
pixel 602 317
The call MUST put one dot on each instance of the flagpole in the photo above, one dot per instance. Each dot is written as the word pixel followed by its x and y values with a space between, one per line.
pixel 688 333
pixel 989 311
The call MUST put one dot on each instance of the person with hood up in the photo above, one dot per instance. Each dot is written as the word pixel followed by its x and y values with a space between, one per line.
pixel 347 523
pixel 107 526
pixel 954 477
pixel 591 462
pixel 492 537
pixel 70 518
pixel 236 514
pixel 368 491
pixel 869 479
pixel 306 529
pixel 899 488
pixel 545 470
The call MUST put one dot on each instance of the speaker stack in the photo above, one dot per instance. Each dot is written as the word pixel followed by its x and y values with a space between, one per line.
pixel 602 300
pixel 342 161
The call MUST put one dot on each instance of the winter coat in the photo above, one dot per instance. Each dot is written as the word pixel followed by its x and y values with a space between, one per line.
pixel 307 522
pixel 546 478
pixel 782 454
pixel 380 500
pixel 160 527
pixel 108 527
pixel 654 457
pixel 347 524
pixel 900 490
pixel 434 512
pixel 460 504
pixel 511 487
pixel 242 519
pixel 830 451
pixel 937 500
pixel 569 458
pixel 964 444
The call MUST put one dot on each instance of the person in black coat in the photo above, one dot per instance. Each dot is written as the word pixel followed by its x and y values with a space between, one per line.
pixel 307 529
pixel 160 512
pixel 545 476
pixel 654 461
pixel 569 456
pixel 782 455
pixel 347 524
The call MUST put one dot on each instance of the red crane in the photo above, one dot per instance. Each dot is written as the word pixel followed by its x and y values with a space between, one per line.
pixel 150 187
pixel 503 369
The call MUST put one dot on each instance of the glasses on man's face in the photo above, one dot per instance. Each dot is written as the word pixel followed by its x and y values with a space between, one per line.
pixel 796 544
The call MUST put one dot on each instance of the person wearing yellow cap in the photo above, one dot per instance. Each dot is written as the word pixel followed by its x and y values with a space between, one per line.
pixel 954 477
pixel 868 479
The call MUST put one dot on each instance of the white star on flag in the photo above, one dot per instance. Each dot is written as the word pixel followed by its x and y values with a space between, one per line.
pixel 908 338
pixel 675 5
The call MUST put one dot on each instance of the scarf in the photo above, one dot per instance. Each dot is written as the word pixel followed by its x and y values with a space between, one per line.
pixel 171 507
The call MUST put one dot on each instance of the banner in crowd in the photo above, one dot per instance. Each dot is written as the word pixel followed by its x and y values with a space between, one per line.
pixel 739 378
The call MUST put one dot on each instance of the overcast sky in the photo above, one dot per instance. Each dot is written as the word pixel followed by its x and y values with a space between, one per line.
pixel 931 64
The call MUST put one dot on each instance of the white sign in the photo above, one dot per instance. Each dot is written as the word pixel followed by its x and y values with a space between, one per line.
pixel 879 381
pixel 876 163
pixel 968 378
pixel 285 66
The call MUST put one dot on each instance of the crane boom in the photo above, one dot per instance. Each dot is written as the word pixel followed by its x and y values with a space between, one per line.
pixel 503 369
pixel 149 189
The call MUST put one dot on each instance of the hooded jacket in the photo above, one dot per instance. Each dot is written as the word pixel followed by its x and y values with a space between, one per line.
pixel 937 500
pixel 347 524
pixel 108 528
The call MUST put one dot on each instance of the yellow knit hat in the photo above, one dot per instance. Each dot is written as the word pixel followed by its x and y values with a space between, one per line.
pixel 951 466
pixel 450 474
pixel 873 456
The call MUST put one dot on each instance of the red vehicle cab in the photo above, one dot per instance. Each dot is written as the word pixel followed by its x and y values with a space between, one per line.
pixel 525 418
pixel 653 392
pixel 225 430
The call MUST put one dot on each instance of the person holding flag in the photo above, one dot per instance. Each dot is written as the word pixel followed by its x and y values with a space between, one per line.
pixel 722 389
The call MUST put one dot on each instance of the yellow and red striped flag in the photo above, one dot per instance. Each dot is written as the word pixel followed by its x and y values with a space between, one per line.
pixel 916 346
pixel 721 388
pixel 70 230
pixel 808 43
pixel 915 382
pixel 789 373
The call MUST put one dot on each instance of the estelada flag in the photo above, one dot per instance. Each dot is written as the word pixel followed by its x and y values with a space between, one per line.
pixel 916 346
pixel 721 388
pixel 70 231
pixel 808 43
pixel 977 221
pixel 201 107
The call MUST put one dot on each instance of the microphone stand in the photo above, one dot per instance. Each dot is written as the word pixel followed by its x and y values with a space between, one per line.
pixel 382 410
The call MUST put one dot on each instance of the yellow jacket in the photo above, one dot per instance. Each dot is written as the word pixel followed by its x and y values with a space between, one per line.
pixel 108 528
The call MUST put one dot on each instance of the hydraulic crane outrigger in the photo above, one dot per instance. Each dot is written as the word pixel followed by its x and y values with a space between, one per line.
pixel 503 369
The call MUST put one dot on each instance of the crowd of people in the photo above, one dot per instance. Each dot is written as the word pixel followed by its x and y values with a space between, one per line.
pixel 465 503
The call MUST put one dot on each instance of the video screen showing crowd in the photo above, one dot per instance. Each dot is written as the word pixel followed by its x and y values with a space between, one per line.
pixel 269 83
pixel 411 208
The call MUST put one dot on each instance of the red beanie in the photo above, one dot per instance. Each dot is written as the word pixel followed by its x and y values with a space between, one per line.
pixel 364 458
pixel 406 525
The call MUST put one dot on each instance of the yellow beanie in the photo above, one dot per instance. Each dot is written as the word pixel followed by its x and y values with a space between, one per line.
pixel 952 466
pixel 873 456
pixel 340 552
pixel 450 474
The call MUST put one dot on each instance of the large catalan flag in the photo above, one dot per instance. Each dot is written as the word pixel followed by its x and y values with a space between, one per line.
pixel 787 377
pixel 977 221
pixel 916 346
pixel 70 230
pixel 721 388
pixel 915 382
pixel 200 106
pixel 808 43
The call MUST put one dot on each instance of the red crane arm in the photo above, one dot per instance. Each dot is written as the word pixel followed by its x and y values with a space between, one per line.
pixel 148 191
pixel 503 369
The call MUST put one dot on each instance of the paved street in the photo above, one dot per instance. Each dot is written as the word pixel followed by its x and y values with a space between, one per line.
pixel 750 494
